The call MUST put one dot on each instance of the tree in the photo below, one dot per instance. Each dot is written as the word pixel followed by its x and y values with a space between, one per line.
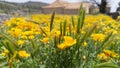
pixel 102 5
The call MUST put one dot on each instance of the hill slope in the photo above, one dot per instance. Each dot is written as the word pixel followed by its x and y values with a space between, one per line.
pixel 7 7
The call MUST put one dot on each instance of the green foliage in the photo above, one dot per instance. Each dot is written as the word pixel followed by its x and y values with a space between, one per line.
pixel 49 55
pixel 106 65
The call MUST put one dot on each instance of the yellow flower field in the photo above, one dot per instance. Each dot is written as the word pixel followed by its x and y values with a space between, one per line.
pixel 60 41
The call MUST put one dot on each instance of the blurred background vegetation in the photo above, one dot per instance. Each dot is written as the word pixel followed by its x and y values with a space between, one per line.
pixel 27 7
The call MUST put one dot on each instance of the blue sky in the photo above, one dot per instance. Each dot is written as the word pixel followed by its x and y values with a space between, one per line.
pixel 113 3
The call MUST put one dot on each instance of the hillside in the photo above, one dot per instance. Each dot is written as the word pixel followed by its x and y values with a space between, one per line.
pixel 29 6
pixel 37 4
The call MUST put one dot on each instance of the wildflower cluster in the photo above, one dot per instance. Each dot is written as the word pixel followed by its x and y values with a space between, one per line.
pixel 60 41
pixel 107 55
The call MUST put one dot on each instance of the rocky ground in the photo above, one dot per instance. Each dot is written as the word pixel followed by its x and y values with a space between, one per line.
pixel 4 17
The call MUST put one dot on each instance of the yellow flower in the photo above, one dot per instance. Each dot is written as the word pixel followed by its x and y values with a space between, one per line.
pixel 107 52
pixel 45 40
pixel 3 54
pixel 85 44
pixel 114 55
pixel 6 52
pixel 31 37
pixel 24 37
pixel 8 23
pixel 103 56
pixel 27 33
pixel 62 46
pixel 69 41
pixel 23 54
pixel 98 37
pixel 20 42
pixel 111 53
pixel 55 33
pixel 15 32
pixel 107 55
pixel 37 32
pixel 13 57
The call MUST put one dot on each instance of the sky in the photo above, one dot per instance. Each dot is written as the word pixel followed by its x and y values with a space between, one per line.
pixel 113 3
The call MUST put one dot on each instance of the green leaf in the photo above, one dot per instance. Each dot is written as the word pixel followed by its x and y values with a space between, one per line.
pixel 70 29
pixel 61 29
pixel 81 18
pixel 5 67
pixel 106 65
pixel 3 64
pixel 1 45
pixel 10 47
pixel 52 20
pixel 2 59
pixel 42 66
pixel 118 63
pixel 43 31
pixel 64 27
pixel 106 40
pixel 81 7
pixel 13 42
pixel 73 22
pixel 33 21
pixel 88 33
